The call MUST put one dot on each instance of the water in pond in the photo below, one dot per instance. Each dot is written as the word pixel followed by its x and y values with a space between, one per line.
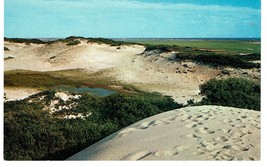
pixel 101 92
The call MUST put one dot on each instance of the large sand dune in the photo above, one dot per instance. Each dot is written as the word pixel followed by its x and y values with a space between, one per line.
pixel 153 72
pixel 191 133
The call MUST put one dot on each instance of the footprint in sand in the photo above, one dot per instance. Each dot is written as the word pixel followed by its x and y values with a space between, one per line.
pixel 191 125
pixel 204 130
pixel 193 136
pixel 240 126
pixel 227 121
pixel 144 125
pixel 164 153
pixel 227 157
pixel 174 118
pixel 243 116
pixel 226 130
pixel 205 110
pixel 186 117
pixel 221 139
pixel 213 146
pixel 138 155
pixel 155 122
pixel 239 134
pixel 235 140
pixel 238 147
pixel 199 153
pixel 215 153
pixel 126 132
pixel 182 148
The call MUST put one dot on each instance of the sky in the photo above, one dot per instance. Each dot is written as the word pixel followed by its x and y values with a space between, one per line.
pixel 132 18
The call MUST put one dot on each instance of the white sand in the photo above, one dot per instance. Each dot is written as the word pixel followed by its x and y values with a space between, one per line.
pixel 191 133
pixel 18 93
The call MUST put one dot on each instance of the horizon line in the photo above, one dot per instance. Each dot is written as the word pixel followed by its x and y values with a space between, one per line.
pixel 140 37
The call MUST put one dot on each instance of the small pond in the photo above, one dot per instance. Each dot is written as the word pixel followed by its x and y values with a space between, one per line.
pixel 101 92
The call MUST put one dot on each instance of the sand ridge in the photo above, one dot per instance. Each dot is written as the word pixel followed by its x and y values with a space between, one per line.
pixel 191 133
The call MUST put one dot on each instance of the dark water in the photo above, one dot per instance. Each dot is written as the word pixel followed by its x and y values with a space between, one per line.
pixel 101 92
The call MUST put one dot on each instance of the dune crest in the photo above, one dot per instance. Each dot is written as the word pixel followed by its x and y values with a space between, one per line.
pixel 191 133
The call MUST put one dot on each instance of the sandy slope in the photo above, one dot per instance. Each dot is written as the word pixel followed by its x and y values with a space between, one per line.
pixel 18 93
pixel 191 133
pixel 59 56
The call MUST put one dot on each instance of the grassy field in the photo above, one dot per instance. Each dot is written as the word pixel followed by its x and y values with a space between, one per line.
pixel 218 45
pixel 72 78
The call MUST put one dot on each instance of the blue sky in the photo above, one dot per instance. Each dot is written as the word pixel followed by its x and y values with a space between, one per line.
pixel 132 18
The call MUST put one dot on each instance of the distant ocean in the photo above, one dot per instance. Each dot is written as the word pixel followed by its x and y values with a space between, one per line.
pixel 171 39
pixel 188 39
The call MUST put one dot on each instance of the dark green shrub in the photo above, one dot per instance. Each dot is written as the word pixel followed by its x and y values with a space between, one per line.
pixel 236 61
pixel 6 49
pixel 235 92
pixel 8 58
pixel 30 132
pixel 23 40
pixel 75 42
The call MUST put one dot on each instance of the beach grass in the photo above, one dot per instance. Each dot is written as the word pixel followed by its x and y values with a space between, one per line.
pixel 72 78
pixel 231 46
pixel 33 79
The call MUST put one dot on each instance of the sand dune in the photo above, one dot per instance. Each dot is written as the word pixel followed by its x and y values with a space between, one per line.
pixel 151 72
pixel 191 133
pixel 59 56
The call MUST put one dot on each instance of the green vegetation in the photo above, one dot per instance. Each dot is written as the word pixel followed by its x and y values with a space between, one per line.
pixel 93 40
pixel 109 41
pixel 6 49
pixel 74 42
pixel 23 40
pixel 30 132
pixel 233 46
pixel 167 48
pixel 8 58
pixel 33 79
pixel 72 78
pixel 209 45
pixel 236 61
pixel 207 57
pixel 235 92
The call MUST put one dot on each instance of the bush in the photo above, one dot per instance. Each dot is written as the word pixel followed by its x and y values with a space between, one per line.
pixel 23 40
pixel 30 132
pixel 235 92
pixel 235 61
pixel 6 49
pixel 75 42
pixel 8 58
